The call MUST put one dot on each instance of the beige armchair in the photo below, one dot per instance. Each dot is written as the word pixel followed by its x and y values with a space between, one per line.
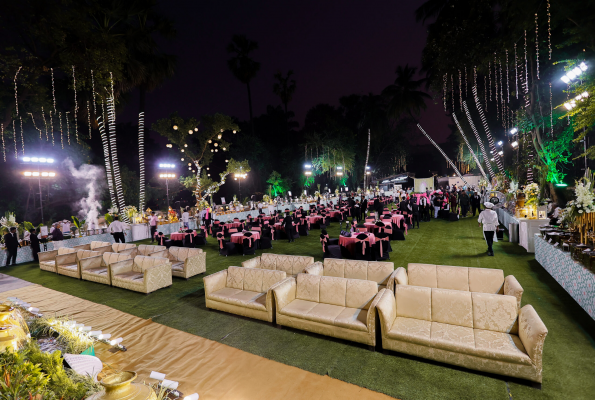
pixel 480 331
pixel 468 279
pixel 292 265
pixel 338 307
pixel 146 249
pixel 95 245
pixel 142 274
pixel 69 266
pixel 98 268
pixel 380 272
pixel 47 259
pixel 124 248
pixel 243 291
pixel 185 261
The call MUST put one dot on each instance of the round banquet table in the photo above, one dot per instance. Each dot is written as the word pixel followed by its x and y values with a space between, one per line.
pixel 349 242
pixel 396 219
pixel 314 219
pixel 179 235
pixel 232 225
pixel 239 237
pixel 334 214
pixel 370 226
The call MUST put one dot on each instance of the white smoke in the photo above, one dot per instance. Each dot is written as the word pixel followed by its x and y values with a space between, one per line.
pixel 92 176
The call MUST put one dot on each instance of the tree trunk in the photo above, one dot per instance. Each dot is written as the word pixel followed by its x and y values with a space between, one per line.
pixel 250 107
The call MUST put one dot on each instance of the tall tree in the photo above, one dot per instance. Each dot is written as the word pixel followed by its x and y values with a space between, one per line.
pixel 284 87
pixel 404 95
pixel 242 66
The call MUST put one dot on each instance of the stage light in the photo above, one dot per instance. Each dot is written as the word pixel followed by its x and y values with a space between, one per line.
pixel 27 173
pixel 573 73
pixel 307 173
pixel 515 144
pixel 307 165
pixel 44 174
pixel 27 159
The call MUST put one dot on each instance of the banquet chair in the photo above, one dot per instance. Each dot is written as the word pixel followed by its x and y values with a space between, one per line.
pixel 362 247
pixel 266 238
pixel 226 248
pixel 201 236
pixel 248 244
pixel 324 222
pixel 303 227
pixel 257 229
pixel 361 228
pixel 370 218
pixel 381 247
pixel 329 250
pixel 189 238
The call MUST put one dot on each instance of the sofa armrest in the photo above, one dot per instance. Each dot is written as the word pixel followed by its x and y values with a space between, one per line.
pixel 512 287
pixel 66 259
pixel 270 299
pixel 371 317
pixel 252 263
pixel 157 277
pixel 160 253
pixel 83 246
pixel 315 269
pixel 121 266
pixel 391 283
pixel 214 282
pixel 387 309
pixel 532 333
pixel 47 255
pixel 90 262
pixel 195 265
pixel 401 277
pixel 285 293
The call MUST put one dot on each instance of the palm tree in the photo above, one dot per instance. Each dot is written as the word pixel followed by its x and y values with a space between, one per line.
pixel 404 94
pixel 284 87
pixel 242 66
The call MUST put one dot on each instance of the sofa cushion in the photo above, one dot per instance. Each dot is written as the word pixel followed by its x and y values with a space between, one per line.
pixel 182 253
pixel 80 254
pixel 253 279
pixel 500 346
pixel 334 267
pixel 333 290
pixel 235 278
pixel 454 278
pixel 379 272
pixel 65 250
pixel 308 287
pixel 72 267
pixel 247 298
pixel 223 294
pixel 353 318
pixel 178 266
pixel 459 339
pixel 96 271
pixel 269 278
pixel 414 302
pixel 494 312
pixel 355 269
pixel 95 244
pixel 268 261
pixel 452 307
pixel 422 275
pixel 324 313
pixel 110 258
pixel 130 275
pixel 486 280
pixel 298 308
pixel 411 330
pixel 360 293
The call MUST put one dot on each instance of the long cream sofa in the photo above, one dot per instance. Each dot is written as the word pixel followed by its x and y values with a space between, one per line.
pixel 339 307
pixel 380 272
pixel 69 264
pixel 468 279
pixel 98 268
pixel 480 331
pixel 142 274
pixel 243 291
pixel 49 260
pixel 291 265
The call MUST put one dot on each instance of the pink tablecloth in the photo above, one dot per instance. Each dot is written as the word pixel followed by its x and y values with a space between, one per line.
pixel 349 242
pixel 179 235
pixel 239 237
pixel 334 214
pixel 314 219
pixel 232 225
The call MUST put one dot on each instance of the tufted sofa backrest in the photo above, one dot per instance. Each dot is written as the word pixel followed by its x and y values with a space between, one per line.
pixel 253 279
pixel 482 280
pixel 378 272
pixel 352 293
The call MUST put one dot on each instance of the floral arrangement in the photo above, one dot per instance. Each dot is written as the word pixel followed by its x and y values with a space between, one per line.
pixel 483 183
pixel 336 192
pixel 316 194
pixel 565 216
pixel 359 191
pixel 130 211
pixel 531 192
pixel 113 210
pixel 202 204
pixel 266 198
pixel 584 197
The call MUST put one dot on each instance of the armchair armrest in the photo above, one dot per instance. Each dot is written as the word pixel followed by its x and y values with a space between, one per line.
pixel 121 266
pixel 285 292
pixel 532 333
pixel 157 277
pixel 270 299
pixel 47 255
pixel 83 246
pixel 315 269
pixel 401 277
pixel 371 317
pixel 195 265
pixel 252 263
pixel 390 284
pixel 512 287
pixel 66 259
pixel 387 309
pixel 90 262
pixel 215 282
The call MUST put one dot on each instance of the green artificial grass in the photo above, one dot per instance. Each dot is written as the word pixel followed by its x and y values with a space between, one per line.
pixel 569 350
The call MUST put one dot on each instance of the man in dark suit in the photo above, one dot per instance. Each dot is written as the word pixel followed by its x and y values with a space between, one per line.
pixel 34 244
pixel 12 244
pixel 288 225
pixel 475 203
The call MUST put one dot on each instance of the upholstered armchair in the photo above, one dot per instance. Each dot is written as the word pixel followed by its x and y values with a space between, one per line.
pixel 124 248
pixel 47 259
pixel 95 245
pixel 69 266
pixel 142 274
pixel 146 249
pixel 98 268
pixel 185 261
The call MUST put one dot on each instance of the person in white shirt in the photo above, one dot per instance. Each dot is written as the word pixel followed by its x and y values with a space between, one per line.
pixel 185 218
pixel 489 218
pixel 153 225
pixel 117 228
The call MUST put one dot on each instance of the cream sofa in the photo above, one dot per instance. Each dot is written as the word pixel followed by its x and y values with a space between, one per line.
pixel 339 307
pixel 480 331
pixel 142 274
pixel 68 265
pixel 468 279
pixel 380 272
pixel 243 291
pixel 95 245
pixel 98 268
pixel 128 248
pixel 47 259
pixel 147 249
pixel 292 265
pixel 185 261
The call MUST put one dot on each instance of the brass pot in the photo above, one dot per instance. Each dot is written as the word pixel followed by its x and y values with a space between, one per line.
pixel 120 386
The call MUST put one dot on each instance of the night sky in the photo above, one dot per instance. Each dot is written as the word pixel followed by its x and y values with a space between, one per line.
pixel 335 48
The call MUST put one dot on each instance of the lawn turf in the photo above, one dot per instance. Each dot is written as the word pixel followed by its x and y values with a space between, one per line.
pixel 569 350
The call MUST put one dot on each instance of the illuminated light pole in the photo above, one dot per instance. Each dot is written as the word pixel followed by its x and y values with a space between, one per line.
pixel 39 175
pixel 167 176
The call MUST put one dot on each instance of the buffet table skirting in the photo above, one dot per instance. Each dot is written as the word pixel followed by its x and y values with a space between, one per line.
pixel 575 278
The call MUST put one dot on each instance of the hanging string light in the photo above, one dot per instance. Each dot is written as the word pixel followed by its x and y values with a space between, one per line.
pixel 35 125
pixel 496 84
pixel 106 155
pixel 16 100
pixel 444 90
pixel 53 89
pixel 488 133
pixel 485 92
pixel 111 115
pixel 507 80
pixel 475 76
pixel 67 126
pixel 549 29
pixel 452 91
pixel 46 124
pixel 516 73
pixel 3 144
pixel 52 127
pixel 76 108
pixel 526 69
pixel 141 157
pixel 501 84
pixel 61 130
pixel 469 147
pixel 93 88
pixel 465 85
pixel 479 140
pixel 490 77
pixel 14 136
pixel 89 118
pixel 22 138
pixel 460 91
pixel 537 43
pixel 551 108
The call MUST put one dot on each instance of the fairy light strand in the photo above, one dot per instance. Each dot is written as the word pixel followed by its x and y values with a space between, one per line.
pixel 93 88
pixel 141 157
pixel 3 144
pixel 111 115
pixel 452 91
pixel 61 130
pixel 460 90
pixel 443 154
pixel 89 118
pixel 106 154
pixel 485 85
pixel 465 85
pixel 507 80
pixel 549 29
pixel 526 64
pixel 469 146
pixel 488 133
pixel 516 73
pixel 46 125
pixel 444 88
pixel 35 125
pixel 490 77
pixel 53 89
pixel 67 126
pixel 14 136
pixel 16 98
pixel 52 126
pixel 22 136
pixel 76 108
pixel 496 91
pixel 551 109
pixel 537 43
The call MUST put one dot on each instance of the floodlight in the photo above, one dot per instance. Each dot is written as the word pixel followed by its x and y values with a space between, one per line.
pixel 500 143
pixel 367 167
pixel 308 166
pixel 500 153
pixel 44 174
pixel 577 71
pixel 42 159
pixel 565 79
pixel 50 160
pixel 27 173
pixel 583 66
pixel 27 159
pixel 515 144
pixel 308 173
pixel 35 173
pixel 514 130
pixel 34 159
